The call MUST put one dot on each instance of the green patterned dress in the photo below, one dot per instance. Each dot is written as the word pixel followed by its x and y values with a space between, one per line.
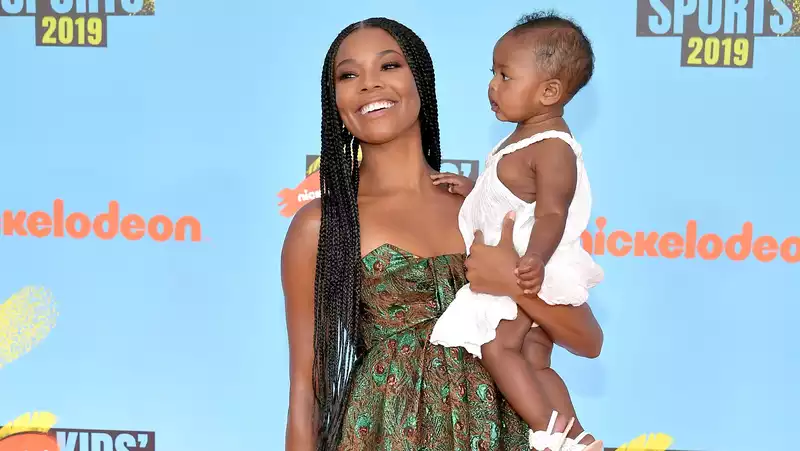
pixel 409 394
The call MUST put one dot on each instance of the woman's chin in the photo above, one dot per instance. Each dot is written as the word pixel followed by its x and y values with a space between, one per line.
pixel 380 135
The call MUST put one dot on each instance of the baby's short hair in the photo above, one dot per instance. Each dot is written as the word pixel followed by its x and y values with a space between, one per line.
pixel 561 48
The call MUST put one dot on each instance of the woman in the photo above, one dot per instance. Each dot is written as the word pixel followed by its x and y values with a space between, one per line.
pixel 389 258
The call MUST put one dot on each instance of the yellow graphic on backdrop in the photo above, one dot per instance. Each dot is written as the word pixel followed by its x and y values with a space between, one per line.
pixel 645 442
pixel 26 318
pixel 40 422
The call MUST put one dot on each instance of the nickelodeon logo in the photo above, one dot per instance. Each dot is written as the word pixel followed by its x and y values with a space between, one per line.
pixel 687 244
pixel 106 226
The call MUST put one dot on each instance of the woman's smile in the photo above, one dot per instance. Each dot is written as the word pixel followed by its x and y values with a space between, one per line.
pixel 376 108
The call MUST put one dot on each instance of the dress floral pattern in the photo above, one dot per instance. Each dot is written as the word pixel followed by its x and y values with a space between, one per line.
pixel 409 394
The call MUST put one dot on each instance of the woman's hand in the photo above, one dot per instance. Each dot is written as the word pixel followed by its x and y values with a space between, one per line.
pixel 491 269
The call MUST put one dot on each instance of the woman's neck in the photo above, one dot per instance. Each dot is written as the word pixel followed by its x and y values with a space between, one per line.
pixel 396 166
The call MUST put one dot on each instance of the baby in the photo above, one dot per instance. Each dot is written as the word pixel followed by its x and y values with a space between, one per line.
pixel 537 172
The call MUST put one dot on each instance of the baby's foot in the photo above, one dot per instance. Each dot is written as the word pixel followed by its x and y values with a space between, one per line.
pixel 587 439
pixel 555 437
pixel 561 429
pixel 584 442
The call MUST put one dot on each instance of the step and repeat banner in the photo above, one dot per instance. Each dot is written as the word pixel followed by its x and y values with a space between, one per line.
pixel 153 156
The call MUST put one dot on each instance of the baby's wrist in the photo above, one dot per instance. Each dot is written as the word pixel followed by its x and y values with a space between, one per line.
pixel 534 255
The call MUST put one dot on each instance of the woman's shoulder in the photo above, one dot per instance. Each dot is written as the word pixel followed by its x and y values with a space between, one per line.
pixel 450 202
pixel 303 233
pixel 309 213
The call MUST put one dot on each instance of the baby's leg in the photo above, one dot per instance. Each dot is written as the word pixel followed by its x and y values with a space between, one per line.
pixel 514 377
pixel 538 350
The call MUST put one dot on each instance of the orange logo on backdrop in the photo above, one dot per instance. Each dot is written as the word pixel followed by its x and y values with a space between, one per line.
pixel 687 244
pixel 292 199
pixel 106 226
pixel 29 441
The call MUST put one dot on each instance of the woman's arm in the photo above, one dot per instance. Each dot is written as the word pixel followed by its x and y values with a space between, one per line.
pixel 573 328
pixel 490 269
pixel 298 264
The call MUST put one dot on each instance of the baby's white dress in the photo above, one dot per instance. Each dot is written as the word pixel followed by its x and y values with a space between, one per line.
pixel 472 318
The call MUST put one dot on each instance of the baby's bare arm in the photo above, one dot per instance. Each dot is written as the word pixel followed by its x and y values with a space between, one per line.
pixel 556 171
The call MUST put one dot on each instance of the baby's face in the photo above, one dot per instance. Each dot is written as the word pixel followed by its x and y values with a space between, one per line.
pixel 518 86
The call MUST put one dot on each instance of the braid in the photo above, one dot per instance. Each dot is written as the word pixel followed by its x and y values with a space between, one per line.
pixel 338 339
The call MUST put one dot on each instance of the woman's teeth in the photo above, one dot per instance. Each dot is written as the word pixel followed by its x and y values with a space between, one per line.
pixel 375 106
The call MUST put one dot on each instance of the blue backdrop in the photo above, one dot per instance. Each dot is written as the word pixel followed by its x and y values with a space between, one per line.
pixel 207 110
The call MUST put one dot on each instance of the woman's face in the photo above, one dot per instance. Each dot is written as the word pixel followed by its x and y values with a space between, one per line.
pixel 376 94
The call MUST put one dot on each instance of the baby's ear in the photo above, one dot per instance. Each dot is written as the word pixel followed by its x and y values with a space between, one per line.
pixel 552 92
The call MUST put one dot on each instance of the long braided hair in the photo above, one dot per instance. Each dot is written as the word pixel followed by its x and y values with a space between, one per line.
pixel 338 341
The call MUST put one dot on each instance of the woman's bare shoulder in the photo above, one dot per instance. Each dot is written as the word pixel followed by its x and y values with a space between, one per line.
pixel 303 234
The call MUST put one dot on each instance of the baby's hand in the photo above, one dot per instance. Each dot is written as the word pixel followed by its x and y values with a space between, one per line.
pixel 530 274
pixel 457 184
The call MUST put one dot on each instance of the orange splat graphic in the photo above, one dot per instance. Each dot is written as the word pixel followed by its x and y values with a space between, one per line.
pixel 29 441
pixel 293 199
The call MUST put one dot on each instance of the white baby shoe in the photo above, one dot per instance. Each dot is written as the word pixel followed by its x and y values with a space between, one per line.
pixel 558 441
